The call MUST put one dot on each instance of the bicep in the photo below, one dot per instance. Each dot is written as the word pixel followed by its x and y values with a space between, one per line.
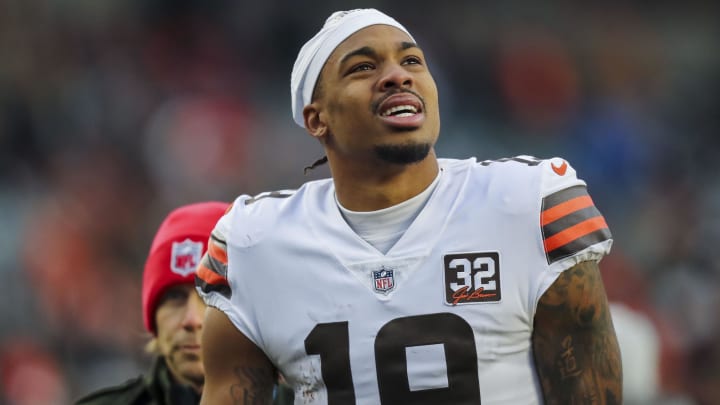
pixel 236 370
pixel 575 347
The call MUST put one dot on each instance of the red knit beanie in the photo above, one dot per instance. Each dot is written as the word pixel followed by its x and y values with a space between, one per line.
pixel 176 251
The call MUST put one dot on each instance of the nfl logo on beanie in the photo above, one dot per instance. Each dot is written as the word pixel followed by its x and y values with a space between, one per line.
pixel 185 256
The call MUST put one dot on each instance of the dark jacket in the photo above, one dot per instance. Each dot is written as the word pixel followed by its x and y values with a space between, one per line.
pixel 157 388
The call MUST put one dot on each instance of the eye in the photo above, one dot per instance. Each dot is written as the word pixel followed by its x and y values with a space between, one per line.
pixel 413 60
pixel 361 67
pixel 175 296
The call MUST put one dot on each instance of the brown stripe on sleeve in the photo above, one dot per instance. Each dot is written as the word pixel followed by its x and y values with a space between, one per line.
pixel 217 239
pixel 211 276
pixel 217 252
pixel 207 288
pixel 570 223
pixel 564 195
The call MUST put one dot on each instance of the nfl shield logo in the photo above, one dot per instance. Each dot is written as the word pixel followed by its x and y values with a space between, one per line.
pixel 185 256
pixel 383 280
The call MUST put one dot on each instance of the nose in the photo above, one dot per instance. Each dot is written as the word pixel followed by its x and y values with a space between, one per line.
pixel 194 313
pixel 395 76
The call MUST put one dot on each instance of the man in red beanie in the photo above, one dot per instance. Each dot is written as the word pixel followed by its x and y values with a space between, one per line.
pixel 172 311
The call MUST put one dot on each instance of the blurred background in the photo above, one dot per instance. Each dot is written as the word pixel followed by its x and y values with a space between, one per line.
pixel 114 112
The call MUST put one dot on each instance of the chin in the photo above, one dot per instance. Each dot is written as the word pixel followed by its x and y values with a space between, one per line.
pixel 405 153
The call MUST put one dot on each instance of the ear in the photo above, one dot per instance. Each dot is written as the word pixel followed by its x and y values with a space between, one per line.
pixel 314 122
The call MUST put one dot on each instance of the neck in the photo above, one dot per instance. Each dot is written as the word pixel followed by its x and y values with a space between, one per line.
pixel 363 188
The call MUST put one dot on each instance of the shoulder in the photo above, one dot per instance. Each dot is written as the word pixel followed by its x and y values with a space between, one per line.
pixel 571 228
pixel 125 393
pixel 277 200
pixel 248 208
pixel 514 184
pixel 550 174
pixel 534 178
pixel 251 217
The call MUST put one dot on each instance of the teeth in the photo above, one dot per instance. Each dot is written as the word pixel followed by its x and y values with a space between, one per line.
pixel 409 111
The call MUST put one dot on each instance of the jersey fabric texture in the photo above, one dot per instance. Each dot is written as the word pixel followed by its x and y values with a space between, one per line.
pixel 445 316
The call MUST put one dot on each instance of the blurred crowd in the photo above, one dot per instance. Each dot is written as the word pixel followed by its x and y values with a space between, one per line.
pixel 114 112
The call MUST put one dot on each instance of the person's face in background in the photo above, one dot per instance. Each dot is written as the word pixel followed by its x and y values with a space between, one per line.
pixel 179 318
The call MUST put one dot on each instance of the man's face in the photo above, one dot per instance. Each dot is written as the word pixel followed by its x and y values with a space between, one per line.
pixel 179 322
pixel 378 98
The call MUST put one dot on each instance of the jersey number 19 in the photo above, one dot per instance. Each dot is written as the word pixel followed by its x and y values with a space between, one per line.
pixel 331 341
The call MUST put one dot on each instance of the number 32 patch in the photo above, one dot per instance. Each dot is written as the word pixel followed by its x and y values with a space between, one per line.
pixel 472 278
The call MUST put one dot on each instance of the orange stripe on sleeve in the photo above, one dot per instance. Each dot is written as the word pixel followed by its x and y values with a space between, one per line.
pixel 217 252
pixel 574 232
pixel 563 209
pixel 210 276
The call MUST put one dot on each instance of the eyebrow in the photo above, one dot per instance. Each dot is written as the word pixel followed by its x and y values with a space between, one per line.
pixel 370 52
pixel 407 45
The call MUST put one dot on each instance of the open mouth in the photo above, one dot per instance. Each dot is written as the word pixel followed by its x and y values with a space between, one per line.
pixel 400 111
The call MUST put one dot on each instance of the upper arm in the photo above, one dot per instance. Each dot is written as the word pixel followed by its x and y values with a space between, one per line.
pixel 236 370
pixel 576 351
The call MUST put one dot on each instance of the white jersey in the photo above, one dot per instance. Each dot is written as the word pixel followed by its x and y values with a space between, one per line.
pixel 444 317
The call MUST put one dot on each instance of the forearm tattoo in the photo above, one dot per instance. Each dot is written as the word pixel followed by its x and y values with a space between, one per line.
pixel 254 386
pixel 575 346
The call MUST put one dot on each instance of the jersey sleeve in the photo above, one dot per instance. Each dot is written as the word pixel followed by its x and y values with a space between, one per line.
pixel 211 276
pixel 217 277
pixel 572 228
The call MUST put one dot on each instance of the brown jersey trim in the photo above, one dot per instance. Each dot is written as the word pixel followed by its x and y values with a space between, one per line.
pixel 570 223
pixel 207 288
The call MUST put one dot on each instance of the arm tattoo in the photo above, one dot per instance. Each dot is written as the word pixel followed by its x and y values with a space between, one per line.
pixel 576 351
pixel 254 386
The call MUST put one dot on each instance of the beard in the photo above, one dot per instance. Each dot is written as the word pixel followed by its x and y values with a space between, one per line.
pixel 403 154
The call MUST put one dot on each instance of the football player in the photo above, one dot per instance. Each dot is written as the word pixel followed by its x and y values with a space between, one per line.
pixel 405 278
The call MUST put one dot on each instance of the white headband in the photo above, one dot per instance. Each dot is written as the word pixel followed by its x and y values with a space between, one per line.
pixel 315 52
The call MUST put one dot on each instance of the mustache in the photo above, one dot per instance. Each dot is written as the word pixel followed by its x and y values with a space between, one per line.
pixel 375 105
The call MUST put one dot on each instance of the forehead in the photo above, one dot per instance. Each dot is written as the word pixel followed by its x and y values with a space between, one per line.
pixel 378 37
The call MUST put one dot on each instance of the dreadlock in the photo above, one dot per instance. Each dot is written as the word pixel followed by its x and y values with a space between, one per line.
pixel 315 164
